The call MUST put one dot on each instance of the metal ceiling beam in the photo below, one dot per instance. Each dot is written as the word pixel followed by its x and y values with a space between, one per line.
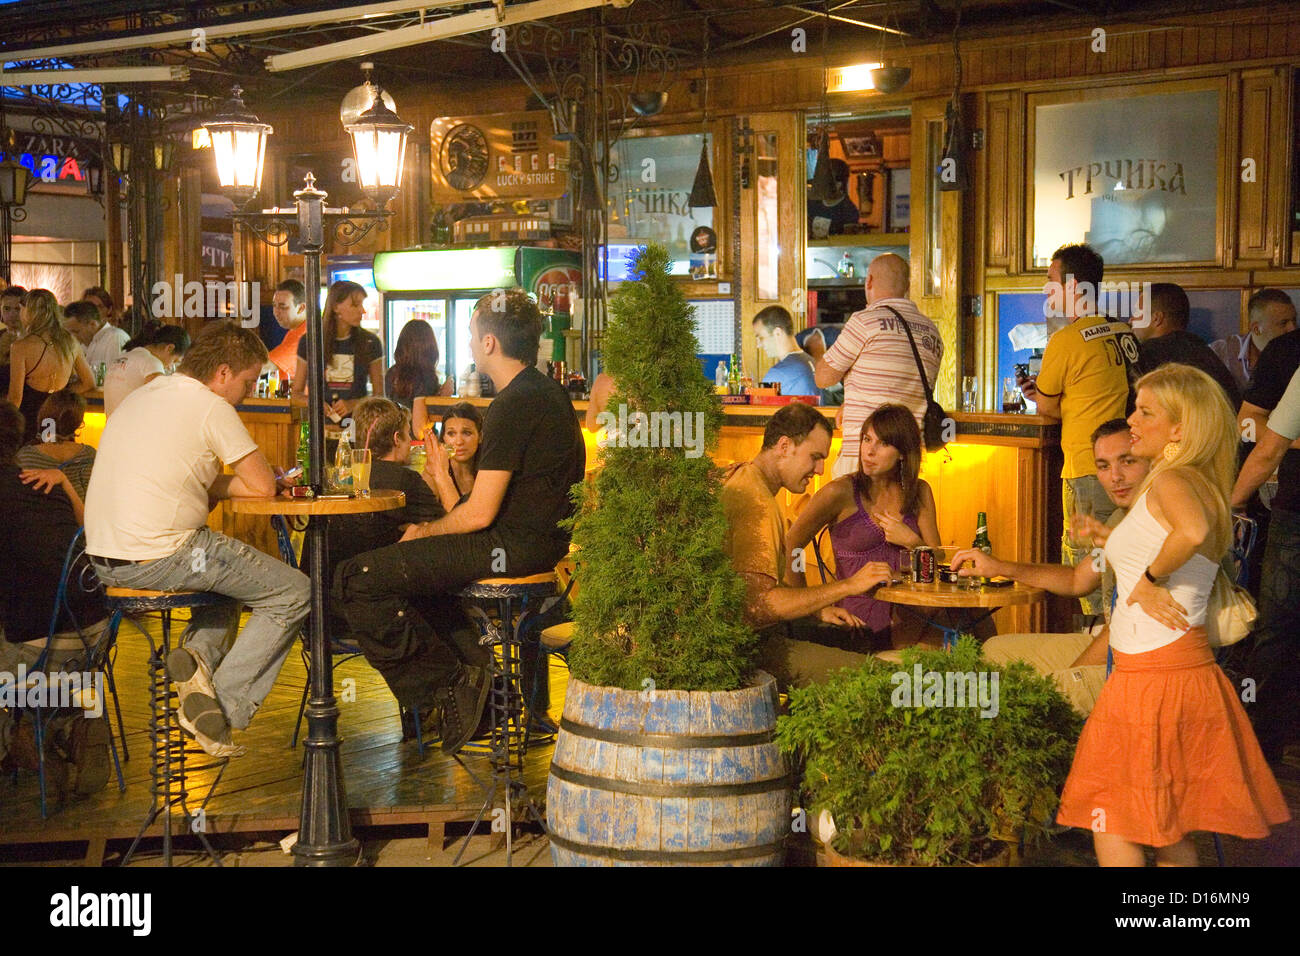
pixel 781 29
pixel 842 19
pixel 456 25
pixel 218 31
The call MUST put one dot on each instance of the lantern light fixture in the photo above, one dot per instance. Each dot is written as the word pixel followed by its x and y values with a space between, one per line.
pixel 239 147
pixel 379 145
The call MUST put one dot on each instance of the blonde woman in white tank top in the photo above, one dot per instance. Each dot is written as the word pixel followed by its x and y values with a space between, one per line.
pixel 1168 750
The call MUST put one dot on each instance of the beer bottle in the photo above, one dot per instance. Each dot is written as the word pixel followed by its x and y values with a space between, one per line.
pixel 981 541
pixel 304 453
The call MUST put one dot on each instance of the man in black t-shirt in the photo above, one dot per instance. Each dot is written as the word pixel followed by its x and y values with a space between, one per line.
pixel 1163 338
pixel 1274 657
pixel 532 453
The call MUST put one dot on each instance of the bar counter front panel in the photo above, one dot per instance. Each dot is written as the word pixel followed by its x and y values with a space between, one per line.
pixel 1005 465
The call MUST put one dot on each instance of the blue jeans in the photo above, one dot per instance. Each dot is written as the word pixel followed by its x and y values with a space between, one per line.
pixel 277 596
pixel 1274 659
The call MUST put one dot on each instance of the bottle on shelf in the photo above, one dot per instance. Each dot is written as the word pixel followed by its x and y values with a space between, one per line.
pixel 846 268
pixel 471 387
pixel 720 377
pixel 733 376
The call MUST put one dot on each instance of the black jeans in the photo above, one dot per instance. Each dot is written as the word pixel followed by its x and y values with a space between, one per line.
pixel 1274 660
pixel 401 607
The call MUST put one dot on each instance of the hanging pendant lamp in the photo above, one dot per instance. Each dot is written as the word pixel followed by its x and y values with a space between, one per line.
pixel 702 193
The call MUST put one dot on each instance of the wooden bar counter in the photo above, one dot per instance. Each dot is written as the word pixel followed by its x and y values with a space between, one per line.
pixel 1005 465
pixel 273 425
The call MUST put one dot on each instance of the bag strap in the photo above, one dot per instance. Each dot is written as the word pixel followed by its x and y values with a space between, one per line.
pixel 929 395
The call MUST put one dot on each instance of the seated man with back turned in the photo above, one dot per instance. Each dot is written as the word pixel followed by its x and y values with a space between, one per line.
pixel 795 443
pixel 157 474
pixel 532 453
pixel 41 516
pixel 1077 662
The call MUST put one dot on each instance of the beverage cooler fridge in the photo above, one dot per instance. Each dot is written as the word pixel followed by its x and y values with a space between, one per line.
pixel 358 269
pixel 442 285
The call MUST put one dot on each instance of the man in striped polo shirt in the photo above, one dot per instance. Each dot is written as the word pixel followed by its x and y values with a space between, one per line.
pixel 874 359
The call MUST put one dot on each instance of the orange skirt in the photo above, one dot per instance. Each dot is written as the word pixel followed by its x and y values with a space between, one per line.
pixel 1168 750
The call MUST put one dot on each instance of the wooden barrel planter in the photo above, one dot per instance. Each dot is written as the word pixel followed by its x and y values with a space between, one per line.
pixel 668 778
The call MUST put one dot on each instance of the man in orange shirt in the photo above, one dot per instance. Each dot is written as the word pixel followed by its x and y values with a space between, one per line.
pixel 290 307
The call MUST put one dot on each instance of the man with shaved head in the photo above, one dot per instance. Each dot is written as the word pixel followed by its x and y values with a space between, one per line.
pixel 874 358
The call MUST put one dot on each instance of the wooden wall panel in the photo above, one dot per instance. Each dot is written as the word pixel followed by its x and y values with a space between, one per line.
pixel 1000 156
pixel 1261 209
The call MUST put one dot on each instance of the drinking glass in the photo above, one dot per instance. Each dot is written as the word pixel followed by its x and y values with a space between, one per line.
pixel 361 471
pixel 1012 400
pixel 969 393
pixel 1083 509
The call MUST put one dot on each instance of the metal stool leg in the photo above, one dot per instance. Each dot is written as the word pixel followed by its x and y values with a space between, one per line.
pixel 167 747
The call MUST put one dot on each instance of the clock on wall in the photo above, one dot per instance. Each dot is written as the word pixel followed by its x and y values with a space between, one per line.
pixel 464 157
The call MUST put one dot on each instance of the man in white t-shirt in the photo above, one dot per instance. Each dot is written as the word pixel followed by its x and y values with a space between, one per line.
pixel 874 358
pixel 102 340
pixel 158 472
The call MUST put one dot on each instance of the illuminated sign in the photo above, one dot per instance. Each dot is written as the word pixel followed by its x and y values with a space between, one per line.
pixel 53 159
pixel 498 156
pixel 418 270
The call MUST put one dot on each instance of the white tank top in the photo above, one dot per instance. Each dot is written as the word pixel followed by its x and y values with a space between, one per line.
pixel 1131 548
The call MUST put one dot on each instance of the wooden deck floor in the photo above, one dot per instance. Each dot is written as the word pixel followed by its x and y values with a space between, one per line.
pixel 388 783
pixel 393 793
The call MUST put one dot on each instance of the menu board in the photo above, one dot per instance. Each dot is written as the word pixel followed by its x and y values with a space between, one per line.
pixel 715 326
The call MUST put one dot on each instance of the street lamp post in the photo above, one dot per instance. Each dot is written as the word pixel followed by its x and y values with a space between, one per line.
pixel 239 146
pixel 14 180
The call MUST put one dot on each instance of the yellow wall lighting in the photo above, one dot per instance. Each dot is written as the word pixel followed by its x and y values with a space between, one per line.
pixel 417 270
pixel 850 79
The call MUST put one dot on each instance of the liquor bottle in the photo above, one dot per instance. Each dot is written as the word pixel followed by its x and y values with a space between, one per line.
pixel 304 453
pixel 981 542
pixel 720 378
pixel 733 376
pixel 343 463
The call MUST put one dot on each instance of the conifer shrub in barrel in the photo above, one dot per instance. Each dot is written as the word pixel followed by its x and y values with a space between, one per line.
pixel 666 751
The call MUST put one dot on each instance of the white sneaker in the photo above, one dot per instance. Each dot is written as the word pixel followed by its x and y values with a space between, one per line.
pixel 221 746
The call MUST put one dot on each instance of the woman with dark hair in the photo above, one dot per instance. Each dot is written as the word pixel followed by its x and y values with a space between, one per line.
pixel 60 418
pixel 157 350
pixel 353 356
pixel 414 375
pixel 452 463
pixel 43 360
pixel 876 513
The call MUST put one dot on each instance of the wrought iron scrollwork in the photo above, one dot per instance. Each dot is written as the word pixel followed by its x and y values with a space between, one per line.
pixel 274 230
pixel 351 228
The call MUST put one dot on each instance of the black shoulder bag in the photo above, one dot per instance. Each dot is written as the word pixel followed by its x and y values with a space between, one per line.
pixel 935 417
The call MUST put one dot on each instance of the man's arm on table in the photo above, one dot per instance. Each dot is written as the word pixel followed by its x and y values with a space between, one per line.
pixel 475 514
pixel 1060 579
pixel 253 478
pixel 767 603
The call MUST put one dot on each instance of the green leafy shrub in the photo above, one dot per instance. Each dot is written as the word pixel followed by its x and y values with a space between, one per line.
pixel 659 598
pixel 916 785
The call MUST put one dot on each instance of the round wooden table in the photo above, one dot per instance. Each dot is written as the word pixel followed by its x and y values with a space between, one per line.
pixel 959 604
pixel 326 834
pixel 283 505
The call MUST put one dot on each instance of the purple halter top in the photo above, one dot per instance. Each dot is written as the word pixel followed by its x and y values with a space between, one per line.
pixel 856 541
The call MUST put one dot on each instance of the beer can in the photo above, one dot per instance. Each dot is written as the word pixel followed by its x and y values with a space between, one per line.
pixel 923 565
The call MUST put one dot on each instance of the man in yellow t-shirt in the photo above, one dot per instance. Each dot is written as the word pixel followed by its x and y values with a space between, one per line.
pixel 1084 381
pixel 795 443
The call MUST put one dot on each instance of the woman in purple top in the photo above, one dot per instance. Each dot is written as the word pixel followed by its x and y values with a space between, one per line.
pixel 876 513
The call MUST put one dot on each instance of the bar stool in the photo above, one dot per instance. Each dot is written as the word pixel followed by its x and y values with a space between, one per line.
pixel 167 743
pixel 503 608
